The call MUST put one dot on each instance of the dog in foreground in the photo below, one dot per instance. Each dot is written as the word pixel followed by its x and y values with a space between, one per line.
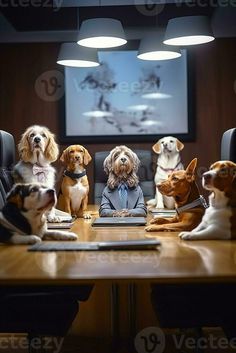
pixel 168 150
pixel 74 191
pixel 23 219
pixel 122 197
pixel 190 206
pixel 219 220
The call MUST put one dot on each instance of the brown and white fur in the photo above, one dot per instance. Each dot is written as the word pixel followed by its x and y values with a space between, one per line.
pixel 182 187
pixel 168 160
pixel 73 196
pixel 37 150
pixel 23 217
pixel 219 221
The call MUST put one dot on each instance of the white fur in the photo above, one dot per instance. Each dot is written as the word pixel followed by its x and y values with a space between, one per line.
pixel 215 222
pixel 77 194
pixel 168 158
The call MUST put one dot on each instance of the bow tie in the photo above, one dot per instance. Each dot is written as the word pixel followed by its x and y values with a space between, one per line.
pixel 40 172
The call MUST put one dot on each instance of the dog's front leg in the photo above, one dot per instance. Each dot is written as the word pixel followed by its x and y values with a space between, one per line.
pixel 171 227
pixel 210 233
pixel 84 206
pixel 25 239
pixel 59 235
pixel 159 200
pixel 160 220
pixel 67 205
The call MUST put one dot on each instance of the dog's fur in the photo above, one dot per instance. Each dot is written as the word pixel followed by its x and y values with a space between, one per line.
pixel 182 187
pixel 37 150
pixel 73 196
pixel 168 160
pixel 219 221
pixel 23 220
pixel 122 165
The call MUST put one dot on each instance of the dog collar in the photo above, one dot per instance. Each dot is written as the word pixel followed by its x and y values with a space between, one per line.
pixel 198 202
pixel 74 175
pixel 170 169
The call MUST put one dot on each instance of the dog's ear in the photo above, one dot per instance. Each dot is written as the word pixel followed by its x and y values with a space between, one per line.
pixel 136 162
pixel 190 170
pixel 15 195
pixel 179 145
pixel 157 147
pixel 107 164
pixel 52 151
pixel 234 177
pixel 24 147
pixel 87 157
pixel 64 156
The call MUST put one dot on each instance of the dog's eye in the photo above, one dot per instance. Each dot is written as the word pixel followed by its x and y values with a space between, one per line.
pixel 34 189
pixel 171 141
pixel 71 152
pixel 32 135
pixel 175 179
pixel 43 135
pixel 163 142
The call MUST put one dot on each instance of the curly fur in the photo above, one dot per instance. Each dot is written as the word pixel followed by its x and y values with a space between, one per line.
pixel 121 165
pixel 49 148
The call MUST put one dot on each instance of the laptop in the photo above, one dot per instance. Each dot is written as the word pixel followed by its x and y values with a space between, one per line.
pixel 119 222
pixel 135 244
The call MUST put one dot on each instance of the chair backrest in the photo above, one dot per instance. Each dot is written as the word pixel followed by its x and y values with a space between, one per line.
pixel 145 173
pixel 228 145
pixel 7 159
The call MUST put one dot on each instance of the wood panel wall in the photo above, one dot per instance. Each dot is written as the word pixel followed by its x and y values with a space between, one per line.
pixel 215 95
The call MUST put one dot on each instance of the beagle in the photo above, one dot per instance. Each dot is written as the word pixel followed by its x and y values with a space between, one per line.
pixel 74 191
pixel 219 221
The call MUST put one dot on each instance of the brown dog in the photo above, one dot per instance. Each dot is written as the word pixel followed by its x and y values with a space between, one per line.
pixel 190 206
pixel 73 196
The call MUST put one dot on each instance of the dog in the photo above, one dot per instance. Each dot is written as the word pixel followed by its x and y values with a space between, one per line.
pixel 219 221
pixel 23 219
pixel 74 191
pixel 37 150
pixel 190 206
pixel 122 197
pixel 168 149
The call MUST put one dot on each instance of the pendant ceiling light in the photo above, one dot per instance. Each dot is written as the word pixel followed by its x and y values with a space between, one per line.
pixel 101 33
pixel 71 54
pixel 188 30
pixel 152 48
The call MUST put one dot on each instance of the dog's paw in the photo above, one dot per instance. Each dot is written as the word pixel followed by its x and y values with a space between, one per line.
pixel 87 216
pixel 33 239
pixel 69 236
pixel 150 229
pixel 185 235
pixel 151 202
pixel 53 219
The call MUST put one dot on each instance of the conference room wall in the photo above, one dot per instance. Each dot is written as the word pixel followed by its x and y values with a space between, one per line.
pixel 20 106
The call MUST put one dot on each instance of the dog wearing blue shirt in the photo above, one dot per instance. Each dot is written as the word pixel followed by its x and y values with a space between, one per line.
pixel 122 197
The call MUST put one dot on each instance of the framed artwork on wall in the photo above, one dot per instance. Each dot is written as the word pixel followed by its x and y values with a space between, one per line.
pixel 126 99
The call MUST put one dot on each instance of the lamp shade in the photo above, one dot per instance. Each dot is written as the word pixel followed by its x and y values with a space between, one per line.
pixel 152 48
pixel 71 54
pixel 188 30
pixel 101 33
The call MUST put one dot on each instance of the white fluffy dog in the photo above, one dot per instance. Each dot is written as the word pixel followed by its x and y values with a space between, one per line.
pixel 37 150
pixel 168 160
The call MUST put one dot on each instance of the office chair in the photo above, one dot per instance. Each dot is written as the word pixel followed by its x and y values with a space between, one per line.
pixel 228 145
pixel 145 173
pixel 7 160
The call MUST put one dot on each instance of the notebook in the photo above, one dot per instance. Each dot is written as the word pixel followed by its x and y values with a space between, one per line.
pixel 138 244
pixel 118 221
pixel 166 213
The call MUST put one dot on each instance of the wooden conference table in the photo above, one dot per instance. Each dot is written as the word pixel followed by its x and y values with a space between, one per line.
pixel 176 261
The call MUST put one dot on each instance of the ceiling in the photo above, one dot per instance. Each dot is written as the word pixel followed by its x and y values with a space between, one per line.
pixel 59 20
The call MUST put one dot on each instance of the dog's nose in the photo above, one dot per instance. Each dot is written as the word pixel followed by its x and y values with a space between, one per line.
pixel 37 139
pixel 207 176
pixel 77 158
pixel 51 191
pixel 123 159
